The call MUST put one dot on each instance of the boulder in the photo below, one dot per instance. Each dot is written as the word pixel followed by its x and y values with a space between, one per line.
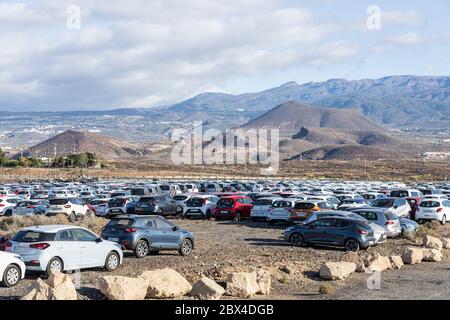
pixel 207 289
pixel 432 255
pixel 165 283
pixel 123 288
pixel 396 262
pixel 336 270
pixel 432 243
pixel 446 243
pixel 58 286
pixel 379 264
pixel 356 259
pixel 242 284
pixel 412 255
pixel 264 280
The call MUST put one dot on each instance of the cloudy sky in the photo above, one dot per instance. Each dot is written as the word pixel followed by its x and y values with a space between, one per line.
pixel 145 53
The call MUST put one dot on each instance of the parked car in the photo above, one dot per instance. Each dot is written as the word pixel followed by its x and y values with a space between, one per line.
pixel 405 193
pixel 98 206
pixel 233 207
pixel 303 209
pixel 7 205
pixel 436 209
pixel 64 248
pixel 398 206
pixel 378 231
pixel 162 205
pixel 181 199
pixel 73 208
pixel 281 211
pixel 388 220
pixel 200 206
pixel 262 207
pixel 348 204
pixel 409 227
pixel 31 208
pixel 12 269
pixel 351 234
pixel 121 205
pixel 39 194
pixel 148 234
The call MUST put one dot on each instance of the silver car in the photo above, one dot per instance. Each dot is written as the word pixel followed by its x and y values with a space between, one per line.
pixel 64 248
pixel 388 220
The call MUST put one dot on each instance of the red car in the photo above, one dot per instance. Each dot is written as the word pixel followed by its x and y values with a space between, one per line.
pixel 233 207
pixel 414 204
pixel 3 241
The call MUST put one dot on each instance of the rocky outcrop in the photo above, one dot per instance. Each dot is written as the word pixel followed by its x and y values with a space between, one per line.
pixel 58 286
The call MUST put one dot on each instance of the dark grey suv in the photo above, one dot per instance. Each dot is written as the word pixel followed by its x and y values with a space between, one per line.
pixel 348 233
pixel 148 234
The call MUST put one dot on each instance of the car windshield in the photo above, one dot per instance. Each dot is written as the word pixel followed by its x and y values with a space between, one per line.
pixel 225 203
pixel 383 203
pixel 29 236
pixel 120 223
pixel 430 204
pixel 399 194
pixel 179 198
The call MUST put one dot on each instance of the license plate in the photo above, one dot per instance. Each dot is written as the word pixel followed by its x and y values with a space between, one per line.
pixel 21 249
pixel 224 212
pixel 113 239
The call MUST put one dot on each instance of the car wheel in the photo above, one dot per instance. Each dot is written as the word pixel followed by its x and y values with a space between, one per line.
pixel 444 220
pixel 296 239
pixel 179 212
pixel 54 264
pixel 237 217
pixel 73 217
pixel 186 247
pixel 11 276
pixel 141 250
pixel 352 245
pixel 112 261
pixel 8 213
pixel 208 214
pixel 159 212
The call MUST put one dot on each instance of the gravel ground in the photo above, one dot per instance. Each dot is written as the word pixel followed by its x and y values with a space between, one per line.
pixel 223 247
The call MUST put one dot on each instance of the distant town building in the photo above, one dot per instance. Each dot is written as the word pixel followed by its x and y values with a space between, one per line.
pixel 436 156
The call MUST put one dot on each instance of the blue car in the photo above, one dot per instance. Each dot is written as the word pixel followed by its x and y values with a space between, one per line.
pixel 148 234
pixel 31 208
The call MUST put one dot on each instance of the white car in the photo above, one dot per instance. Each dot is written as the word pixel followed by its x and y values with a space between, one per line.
pixel 7 205
pixel 64 248
pixel 60 194
pixel 12 269
pixel 200 206
pixel 433 209
pixel 281 211
pixel 73 208
pixel 261 208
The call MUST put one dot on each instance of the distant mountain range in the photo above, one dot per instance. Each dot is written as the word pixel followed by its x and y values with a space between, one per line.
pixel 413 102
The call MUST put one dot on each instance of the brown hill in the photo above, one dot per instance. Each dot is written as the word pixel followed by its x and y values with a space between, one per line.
pixel 292 116
pixel 348 152
pixel 74 142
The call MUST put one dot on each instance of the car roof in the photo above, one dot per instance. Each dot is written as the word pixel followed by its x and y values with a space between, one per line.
pixel 51 228
pixel 135 216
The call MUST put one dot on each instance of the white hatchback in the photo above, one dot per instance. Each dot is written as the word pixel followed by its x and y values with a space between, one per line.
pixel 433 209
pixel 73 208
pixel 12 269
pixel 64 248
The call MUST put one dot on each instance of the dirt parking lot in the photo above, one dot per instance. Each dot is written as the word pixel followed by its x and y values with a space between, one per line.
pixel 223 247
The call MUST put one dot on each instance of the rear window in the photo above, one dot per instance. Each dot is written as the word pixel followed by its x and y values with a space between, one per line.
pixel 138 192
pixel 180 198
pixel 33 236
pixel 120 223
pixel 146 199
pixel 304 205
pixel 430 204
pixel 117 202
pixel 225 203
pixel 58 202
pixel 390 216
pixel 165 188
pixel 263 202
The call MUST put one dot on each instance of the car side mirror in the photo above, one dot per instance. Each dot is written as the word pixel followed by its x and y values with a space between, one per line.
pixel 98 240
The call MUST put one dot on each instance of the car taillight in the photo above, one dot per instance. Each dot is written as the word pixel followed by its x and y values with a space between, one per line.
pixel 130 230
pixel 390 222
pixel 67 206
pixel 2 205
pixel 31 207
pixel 8 244
pixel 440 209
pixel 40 246
pixel 362 232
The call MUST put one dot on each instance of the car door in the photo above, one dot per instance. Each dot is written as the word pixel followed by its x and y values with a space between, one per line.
pixel 169 237
pixel 316 231
pixel 91 251
pixel 337 234
pixel 68 248
pixel 151 233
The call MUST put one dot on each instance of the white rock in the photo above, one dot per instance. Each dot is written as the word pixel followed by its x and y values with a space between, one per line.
pixel 432 243
pixel 337 270
pixel 207 289
pixel 412 255
pixel 396 262
pixel 165 283
pixel 432 255
pixel 242 284
pixel 379 264
pixel 123 288
pixel 264 280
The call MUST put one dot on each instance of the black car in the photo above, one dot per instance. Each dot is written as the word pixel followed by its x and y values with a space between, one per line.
pixel 160 205
pixel 351 234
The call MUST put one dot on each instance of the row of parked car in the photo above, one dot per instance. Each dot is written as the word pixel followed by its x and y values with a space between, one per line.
pixel 352 215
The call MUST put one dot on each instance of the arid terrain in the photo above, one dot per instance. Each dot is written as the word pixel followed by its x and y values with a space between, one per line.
pixel 224 247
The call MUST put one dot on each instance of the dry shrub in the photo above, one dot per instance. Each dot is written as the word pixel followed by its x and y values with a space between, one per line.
pixel 11 225
pixel 327 289
pixel 429 228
